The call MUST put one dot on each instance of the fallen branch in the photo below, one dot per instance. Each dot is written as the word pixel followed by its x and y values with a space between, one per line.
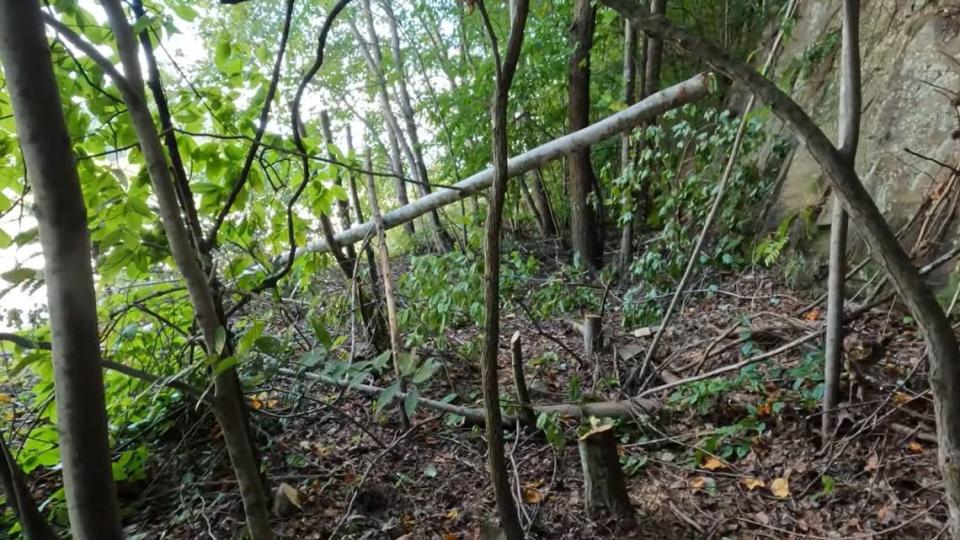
pixel 680 94
pixel 476 416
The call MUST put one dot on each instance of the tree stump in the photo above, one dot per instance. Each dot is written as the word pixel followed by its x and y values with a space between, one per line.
pixel 592 336
pixel 605 492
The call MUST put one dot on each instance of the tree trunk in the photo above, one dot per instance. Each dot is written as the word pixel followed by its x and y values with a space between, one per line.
pixel 20 500
pixel 387 275
pixel 378 330
pixel 584 226
pixel 941 342
pixel 373 58
pixel 398 144
pixel 649 84
pixel 62 223
pixel 848 137
pixel 604 489
pixel 520 381
pixel 541 198
pixel 228 396
pixel 443 241
pixel 505 70
pixel 629 96
pixel 531 205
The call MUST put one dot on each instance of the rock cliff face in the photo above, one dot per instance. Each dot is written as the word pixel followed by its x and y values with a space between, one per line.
pixel 911 93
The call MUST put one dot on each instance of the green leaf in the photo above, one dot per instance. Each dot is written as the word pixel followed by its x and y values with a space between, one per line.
pixel 221 54
pixel 220 339
pixel 387 396
pixel 406 362
pixel 425 371
pixel 320 332
pixel 185 12
pixel 410 401
pixel 18 275
pixel 269 345
pixel 312 358
pixel 5 240
pixel 225 364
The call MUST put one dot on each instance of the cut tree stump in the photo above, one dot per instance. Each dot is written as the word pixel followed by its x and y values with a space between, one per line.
pixel 592 336
pixel 605 492
pixel 523 396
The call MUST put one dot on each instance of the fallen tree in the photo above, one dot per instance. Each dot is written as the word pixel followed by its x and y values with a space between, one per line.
pixel 680 94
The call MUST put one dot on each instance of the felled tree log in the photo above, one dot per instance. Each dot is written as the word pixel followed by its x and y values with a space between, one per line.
pixel 604 490
pixel 678 95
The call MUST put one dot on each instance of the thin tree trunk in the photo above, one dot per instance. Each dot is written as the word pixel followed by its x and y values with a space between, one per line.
pixel 373 58
pixel 941 342
pixel 380 328
pixel 369 314
pixel 629 96
pixel 443 240
pixel 531 205
pixel 384 256
pixel 228 397
pixel 505 70
pixel 584 225
pixel 541 198
pixel 848 137
pixel 398 144
pixel 62 223
pixel 20 500
pixel 649 84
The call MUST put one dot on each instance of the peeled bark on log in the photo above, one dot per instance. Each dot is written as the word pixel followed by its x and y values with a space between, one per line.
pixel 604 489
pixel 680 94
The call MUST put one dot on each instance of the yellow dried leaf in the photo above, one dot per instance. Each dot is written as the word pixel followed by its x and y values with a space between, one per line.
pixel 291 493
pixel 698 483
pixel 713 464
pixel 780 488
pixel 450 536
pixel 753 483
pixel 532 495
pixel 915 447
pixel 256 403
pixel 812 315
pixel 453 515
pixel 5 398
pixel 899 398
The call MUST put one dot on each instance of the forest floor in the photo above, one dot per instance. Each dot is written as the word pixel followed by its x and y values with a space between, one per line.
pixel 733 457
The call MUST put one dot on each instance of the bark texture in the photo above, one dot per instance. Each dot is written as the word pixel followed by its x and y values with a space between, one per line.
pixel 581 181
pixel 62 223
pixel 848 138
pixel 228 400
pixel 505 69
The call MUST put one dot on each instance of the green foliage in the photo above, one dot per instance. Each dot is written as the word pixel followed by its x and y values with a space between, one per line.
pixel 680 165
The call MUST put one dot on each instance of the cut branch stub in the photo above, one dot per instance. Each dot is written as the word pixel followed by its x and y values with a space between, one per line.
pixel 592 336
pixel 605 491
